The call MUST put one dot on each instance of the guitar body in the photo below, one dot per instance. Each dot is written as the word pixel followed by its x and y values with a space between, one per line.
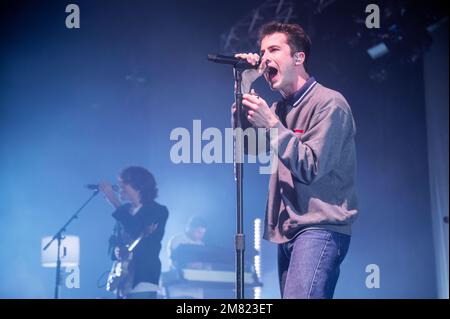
pixel 120 279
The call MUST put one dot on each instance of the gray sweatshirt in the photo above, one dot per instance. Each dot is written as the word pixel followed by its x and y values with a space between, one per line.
pixel 314 183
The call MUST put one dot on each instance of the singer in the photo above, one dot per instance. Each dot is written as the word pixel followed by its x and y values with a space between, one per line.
pixel 312 200
pixel 140 224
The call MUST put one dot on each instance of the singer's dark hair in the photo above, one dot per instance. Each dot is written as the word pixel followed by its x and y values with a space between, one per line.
pixel 141 180
pixel 297 38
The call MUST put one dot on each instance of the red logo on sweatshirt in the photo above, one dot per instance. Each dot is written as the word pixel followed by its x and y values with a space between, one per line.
pixel 299 131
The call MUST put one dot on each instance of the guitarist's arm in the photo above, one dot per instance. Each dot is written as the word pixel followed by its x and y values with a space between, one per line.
pixel 106 188
pixel 141 224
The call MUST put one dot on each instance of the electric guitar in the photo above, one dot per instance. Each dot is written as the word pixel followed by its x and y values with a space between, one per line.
pixel 120 278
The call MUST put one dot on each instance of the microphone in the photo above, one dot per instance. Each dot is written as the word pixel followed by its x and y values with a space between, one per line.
pixel 235 62
pixel 94 187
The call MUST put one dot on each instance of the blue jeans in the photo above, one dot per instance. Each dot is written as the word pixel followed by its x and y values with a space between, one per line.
pixel 308 266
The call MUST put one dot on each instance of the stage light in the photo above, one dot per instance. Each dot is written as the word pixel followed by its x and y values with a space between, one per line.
pixel 70 252
pixel 257 293
pixel 257 234
pixel 257 257
pixel 377 51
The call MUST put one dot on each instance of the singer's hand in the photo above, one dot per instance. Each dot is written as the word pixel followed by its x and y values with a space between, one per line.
pixel 117 253
pixel 233 115
pixel 250 76
pixel 106 188
pixel 259 113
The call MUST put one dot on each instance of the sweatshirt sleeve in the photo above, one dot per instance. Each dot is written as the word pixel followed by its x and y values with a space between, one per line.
pixel 317 152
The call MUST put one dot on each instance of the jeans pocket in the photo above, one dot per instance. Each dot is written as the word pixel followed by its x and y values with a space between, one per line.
pixel 343 242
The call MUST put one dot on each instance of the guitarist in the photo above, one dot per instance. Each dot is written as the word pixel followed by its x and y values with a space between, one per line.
pixel 136 242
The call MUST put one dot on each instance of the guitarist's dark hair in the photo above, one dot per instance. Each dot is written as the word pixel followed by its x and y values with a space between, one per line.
pixel 141 180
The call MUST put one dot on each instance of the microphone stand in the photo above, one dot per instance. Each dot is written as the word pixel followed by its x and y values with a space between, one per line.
pixel 239 66
pixel 238 144
pixel 59 236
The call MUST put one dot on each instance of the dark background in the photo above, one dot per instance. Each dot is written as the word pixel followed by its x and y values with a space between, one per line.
pixel 77 105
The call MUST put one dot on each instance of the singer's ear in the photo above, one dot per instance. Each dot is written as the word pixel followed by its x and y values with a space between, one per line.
pixel 299 58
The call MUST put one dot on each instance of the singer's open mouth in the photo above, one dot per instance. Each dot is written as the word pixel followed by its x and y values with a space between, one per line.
pixel 271 72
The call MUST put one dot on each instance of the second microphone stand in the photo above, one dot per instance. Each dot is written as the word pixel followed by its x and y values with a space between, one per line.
pixel 59 236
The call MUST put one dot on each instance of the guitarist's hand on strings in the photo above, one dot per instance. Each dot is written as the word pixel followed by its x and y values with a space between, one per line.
pixel 120 254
